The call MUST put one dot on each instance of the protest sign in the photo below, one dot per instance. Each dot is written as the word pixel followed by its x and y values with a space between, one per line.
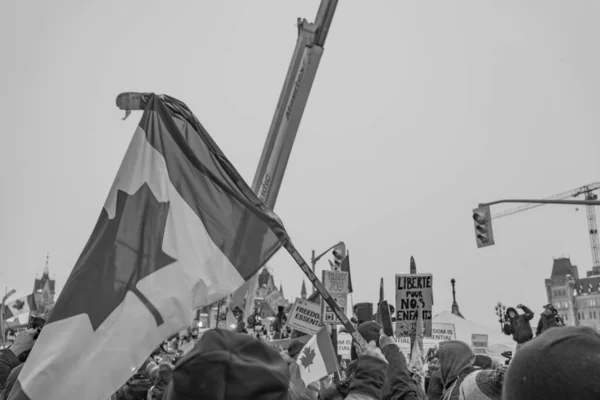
pixel 440 333
pixel 344 345
pixel 413 293
pixel 479 343
pixel 336 283
pixel 305 317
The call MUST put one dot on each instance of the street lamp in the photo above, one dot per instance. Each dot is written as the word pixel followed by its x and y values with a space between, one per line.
pixel 7 294
pixel 501 313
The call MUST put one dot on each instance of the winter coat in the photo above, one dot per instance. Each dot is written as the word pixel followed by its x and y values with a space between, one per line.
pixel 456 362
pixel 436 386
pixel 8 361
pixel 519 327
pixel 398 384
pixel 12 379
pixel 547 322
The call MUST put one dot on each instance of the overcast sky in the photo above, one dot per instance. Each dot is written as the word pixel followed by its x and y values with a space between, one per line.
pixel 420 110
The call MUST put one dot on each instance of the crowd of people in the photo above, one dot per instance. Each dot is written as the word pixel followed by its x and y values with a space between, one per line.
pixel 559 363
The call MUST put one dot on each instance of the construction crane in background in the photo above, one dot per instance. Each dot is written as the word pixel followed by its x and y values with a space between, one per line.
pixel 586 191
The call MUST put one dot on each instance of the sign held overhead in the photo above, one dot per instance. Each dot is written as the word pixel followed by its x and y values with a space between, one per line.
pixel 414 294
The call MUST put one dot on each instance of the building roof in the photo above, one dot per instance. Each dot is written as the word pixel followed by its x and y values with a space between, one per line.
pixel 40 283
pixel 588 285
pixel 562 267
pixel 265 277
pixel 455 309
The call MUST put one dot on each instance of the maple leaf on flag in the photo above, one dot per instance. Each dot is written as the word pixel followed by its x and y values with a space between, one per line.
pixel 308 356
pixel 19 304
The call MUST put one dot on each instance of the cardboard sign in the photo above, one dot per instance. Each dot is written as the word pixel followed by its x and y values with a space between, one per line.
pixel 344 345
pixel 413 292
pixel 440 333
pixel 305 317
pixel 275 299
pixel 479 343
pixel 336 283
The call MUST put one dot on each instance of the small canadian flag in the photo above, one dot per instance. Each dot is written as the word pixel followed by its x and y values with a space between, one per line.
pixel 317 359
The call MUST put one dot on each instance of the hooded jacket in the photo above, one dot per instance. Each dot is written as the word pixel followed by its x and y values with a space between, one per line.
pixel 519 326
pixel 456 362
pixel 548 321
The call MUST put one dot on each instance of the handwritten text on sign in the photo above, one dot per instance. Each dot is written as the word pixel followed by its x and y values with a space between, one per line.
pixel 414 293
pixel 305 317
pixel 479 343
pixel 336 283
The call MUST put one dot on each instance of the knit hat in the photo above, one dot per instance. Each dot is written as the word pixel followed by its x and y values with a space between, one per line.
pixel 369 330
pixel 482 385
pixel 560 364
pixel 227 365
pixel 482 361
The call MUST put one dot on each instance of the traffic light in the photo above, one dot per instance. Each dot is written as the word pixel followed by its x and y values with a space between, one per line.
pixel 339 253
pixel 483 226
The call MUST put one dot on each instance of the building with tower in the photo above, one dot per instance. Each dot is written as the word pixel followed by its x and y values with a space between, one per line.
pixel 43 292
pixel 576 299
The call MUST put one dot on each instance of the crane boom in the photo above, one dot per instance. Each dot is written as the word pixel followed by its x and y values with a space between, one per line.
pixel 590 210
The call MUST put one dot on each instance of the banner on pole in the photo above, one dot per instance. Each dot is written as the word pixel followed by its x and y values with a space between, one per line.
pixel 305 317
pixel 336 283
pixel 413 292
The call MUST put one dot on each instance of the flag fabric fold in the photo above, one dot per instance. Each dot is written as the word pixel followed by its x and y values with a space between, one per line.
pixel 22 305
pixel 417 355
pixel 167 241
pixel 316 360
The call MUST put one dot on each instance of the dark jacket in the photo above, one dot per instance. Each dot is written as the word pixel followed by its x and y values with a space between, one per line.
pixel 398 383
pixel 519 327
pixel 8 361
pixel 10 382
pixel 436 386
pixel 456 362
pixel 548 321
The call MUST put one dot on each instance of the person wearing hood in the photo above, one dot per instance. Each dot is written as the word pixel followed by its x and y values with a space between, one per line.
pixel 456 362
pixel 548 319
pixel 226 365
pixel 518 325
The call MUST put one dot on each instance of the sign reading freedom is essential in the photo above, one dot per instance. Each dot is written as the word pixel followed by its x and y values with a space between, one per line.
pixel 413 293
pixel 336 283
pixel 305 317
pixel 479 343
pixel 344 345
pixel 440 333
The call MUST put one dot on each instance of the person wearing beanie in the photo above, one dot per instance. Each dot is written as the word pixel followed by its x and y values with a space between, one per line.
pixel 560 364
pixel 482 385
pixel 226 365
pixel 518 325
pixel 549 319
pixel 456 362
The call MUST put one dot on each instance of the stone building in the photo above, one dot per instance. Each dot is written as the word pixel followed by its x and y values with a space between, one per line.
pixel 43 293
pixel 576 299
